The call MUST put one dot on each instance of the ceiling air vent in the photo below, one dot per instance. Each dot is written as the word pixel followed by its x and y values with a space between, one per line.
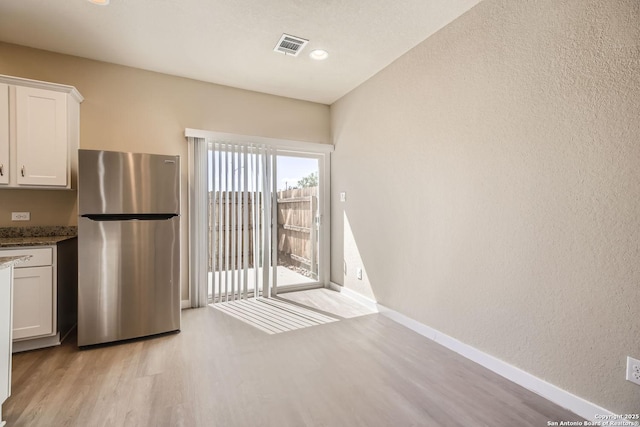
pixel 290 45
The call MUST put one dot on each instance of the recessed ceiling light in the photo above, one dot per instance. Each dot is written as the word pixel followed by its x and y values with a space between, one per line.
pixel 99 2
pixel 319 54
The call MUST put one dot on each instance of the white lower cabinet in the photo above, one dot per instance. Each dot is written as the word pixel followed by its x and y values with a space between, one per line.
pixel 32 302
pixel 34 294
pixel 5 336
pixel 45 294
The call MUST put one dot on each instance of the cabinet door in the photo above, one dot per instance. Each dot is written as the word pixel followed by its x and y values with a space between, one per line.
pixel 4 133
pixel 32 302
pixel 5 334
pixel 41 137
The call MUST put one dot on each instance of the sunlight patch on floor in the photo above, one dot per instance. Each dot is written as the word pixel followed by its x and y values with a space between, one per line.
pixel 272 316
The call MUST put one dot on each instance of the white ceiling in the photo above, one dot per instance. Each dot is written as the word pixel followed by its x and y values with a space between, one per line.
pixel 231 42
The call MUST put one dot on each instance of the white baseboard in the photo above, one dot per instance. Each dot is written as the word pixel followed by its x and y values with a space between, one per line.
pixel 34 344
pixel 365 301
pixel 185 303
pixel 555 394
pixel 588 410
pixel 296 288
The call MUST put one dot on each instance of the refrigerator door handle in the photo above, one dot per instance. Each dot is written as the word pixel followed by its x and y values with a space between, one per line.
pixel 128 217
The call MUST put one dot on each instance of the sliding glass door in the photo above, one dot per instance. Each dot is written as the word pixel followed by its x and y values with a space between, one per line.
pixel 265 211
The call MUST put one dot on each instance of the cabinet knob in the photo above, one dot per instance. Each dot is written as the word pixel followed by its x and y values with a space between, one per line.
pixel 23 171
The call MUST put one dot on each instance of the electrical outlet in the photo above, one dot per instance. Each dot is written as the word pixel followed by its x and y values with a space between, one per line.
pixel 20 216
pixel 359 273
pixel 633 370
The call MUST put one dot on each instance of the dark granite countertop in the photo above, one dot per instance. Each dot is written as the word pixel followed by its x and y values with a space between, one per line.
pixel 11 242
pixel 35 236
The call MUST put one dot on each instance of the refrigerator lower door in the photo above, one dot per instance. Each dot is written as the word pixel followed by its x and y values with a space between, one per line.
pixel 128 279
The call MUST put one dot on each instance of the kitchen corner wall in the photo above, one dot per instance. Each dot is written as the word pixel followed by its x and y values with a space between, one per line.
pixel 127 109
pixel 493 189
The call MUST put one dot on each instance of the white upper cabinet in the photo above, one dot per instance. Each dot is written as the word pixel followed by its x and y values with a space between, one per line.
pixel 42 121
pixel 42 150
pixel 4 133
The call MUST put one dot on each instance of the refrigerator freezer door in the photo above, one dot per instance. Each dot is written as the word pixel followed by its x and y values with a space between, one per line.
pixel 128 183
pixel 129 279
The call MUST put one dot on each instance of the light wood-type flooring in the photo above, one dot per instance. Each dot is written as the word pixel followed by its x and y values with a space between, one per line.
pixel 364 370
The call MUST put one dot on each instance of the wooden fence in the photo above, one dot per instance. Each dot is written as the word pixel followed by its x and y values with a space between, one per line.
pixel 297 228
pixel 224 233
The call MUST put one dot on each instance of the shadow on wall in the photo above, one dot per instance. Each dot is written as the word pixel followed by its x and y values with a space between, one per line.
pixel 381 228
pixel 354 266
pixel 355 275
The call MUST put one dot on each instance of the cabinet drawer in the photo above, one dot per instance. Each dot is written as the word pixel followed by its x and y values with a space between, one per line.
pixel 39 256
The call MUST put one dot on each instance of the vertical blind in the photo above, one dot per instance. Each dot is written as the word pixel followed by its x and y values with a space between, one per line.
pixel 241 210
pixel 198 190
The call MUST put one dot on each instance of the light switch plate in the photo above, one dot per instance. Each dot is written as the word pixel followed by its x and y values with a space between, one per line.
pixel 20 216
pixel 343 197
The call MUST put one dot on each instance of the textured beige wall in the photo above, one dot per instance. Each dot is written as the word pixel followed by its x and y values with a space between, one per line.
pixel 493 188
pixel 127 109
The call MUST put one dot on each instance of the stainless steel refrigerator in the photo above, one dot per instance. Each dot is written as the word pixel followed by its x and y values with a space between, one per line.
pixel 128 245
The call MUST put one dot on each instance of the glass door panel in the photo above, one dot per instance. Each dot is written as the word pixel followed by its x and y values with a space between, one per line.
pixel 298 205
